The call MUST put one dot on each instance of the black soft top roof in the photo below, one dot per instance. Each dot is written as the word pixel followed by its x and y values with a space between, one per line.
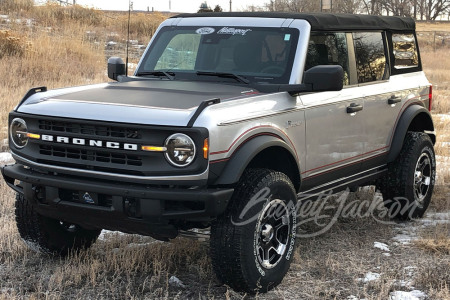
pixel 325 21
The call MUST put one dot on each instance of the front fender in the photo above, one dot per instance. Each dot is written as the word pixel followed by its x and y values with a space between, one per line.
pixel 242 157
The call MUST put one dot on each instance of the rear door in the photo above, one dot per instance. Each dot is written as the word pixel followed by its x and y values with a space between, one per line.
pixel 384 95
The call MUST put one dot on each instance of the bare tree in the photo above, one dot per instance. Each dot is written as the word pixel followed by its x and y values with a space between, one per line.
pixel 338 6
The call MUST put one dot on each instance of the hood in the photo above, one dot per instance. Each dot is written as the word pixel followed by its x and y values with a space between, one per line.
pixel 153 102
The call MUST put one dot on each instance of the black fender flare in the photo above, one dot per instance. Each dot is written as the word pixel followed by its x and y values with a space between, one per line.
pixel 402 128
pixel 241 158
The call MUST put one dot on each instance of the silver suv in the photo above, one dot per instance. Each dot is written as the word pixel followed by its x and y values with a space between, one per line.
pixel 227 121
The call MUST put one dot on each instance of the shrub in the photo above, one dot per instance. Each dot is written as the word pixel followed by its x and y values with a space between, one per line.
pixel 12 45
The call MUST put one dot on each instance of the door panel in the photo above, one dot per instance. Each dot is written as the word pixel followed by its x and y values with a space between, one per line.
pixel 334 137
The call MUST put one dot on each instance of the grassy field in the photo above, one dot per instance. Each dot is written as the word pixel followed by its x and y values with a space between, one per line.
pixel 54 47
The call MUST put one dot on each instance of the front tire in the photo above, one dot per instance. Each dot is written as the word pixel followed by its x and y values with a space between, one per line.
pixel 252 243
pixel 43 234
pixel 408 188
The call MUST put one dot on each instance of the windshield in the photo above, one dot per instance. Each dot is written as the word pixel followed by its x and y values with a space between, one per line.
pixel 232 54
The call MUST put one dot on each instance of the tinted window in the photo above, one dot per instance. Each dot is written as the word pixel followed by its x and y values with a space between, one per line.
pixel 256 53
pixel 370 57
pixel 405 51
pixel 328 49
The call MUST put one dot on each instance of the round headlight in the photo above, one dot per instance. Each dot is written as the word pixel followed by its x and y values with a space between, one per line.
pixel 180 150
pixel 18 132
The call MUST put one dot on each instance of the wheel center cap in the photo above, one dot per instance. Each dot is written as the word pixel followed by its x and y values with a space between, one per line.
pixel 418 175
pixel 267 233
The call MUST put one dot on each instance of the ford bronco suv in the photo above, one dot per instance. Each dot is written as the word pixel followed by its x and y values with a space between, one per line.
pixel 229 119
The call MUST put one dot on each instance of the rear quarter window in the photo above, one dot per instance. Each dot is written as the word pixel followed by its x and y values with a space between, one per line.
pixel 404 51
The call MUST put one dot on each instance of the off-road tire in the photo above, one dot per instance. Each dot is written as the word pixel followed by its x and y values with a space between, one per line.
pixel 46 235
pixel 240 235
pixel 404 179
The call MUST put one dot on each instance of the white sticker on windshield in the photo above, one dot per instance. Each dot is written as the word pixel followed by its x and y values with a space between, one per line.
pixel 233 31
pixel 205 30
pixel 287 37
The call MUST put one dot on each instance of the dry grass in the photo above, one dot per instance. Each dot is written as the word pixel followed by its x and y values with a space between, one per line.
pixel 59 60
pixel 133 267
pixel 433 26
pixel 14 6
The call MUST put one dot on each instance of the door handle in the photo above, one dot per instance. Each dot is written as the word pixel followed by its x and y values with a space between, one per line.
pixel 394 99
pixel 353 108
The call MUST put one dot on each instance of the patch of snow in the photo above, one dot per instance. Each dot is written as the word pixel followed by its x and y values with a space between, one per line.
pixel 381 246
pixel 410 270
pixel 404 238
pixel 105 233
pixel 33 246
pixel 386 254
pixel 413 295
pixel 111 43
pixel 136 245
pixel 435 218
pixel 405 283
pixel 6 290
pixel 351 297
pixel 176 282
pixel 6 158
pixel 443 117
pixel 406 233
pixel 370 276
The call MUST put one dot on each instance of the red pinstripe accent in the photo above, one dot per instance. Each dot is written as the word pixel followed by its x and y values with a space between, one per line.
pixel 246 140
pixel 337 168
pixel 219 160
pixel 253 128
pixel 234 142
pixel 340 167
pixel 344 160
pixel 390 142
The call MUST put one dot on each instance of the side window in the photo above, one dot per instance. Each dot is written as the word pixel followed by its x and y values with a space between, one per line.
pixel 370 56
pixel 328 49
pixel 405 51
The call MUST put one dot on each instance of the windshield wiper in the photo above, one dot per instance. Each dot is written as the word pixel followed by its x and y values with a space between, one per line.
pixel 239 78
pixel 169 75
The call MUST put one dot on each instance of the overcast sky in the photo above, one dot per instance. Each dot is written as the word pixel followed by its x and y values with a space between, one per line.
pixel 176 5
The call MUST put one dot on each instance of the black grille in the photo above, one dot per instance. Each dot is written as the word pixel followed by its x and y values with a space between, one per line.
pixel 90 130
pixel 91 155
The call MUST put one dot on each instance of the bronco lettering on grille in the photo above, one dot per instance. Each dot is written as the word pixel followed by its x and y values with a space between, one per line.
pixel 87 142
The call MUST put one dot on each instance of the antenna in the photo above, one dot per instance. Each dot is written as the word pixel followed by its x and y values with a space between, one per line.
pixel 128 35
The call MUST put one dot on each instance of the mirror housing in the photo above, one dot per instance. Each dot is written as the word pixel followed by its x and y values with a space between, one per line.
pixel 116 68
pixel 325 78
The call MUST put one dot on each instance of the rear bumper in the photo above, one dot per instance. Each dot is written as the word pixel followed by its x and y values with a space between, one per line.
pixel 111 205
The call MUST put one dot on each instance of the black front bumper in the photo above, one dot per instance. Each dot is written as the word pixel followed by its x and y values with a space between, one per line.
pixel 133 208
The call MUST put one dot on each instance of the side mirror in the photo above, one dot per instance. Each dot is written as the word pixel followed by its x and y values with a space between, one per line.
pixel 325 78
pixel 116 67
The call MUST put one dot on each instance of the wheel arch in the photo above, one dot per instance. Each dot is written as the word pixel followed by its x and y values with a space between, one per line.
pixel 414 118
pixel 264 151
